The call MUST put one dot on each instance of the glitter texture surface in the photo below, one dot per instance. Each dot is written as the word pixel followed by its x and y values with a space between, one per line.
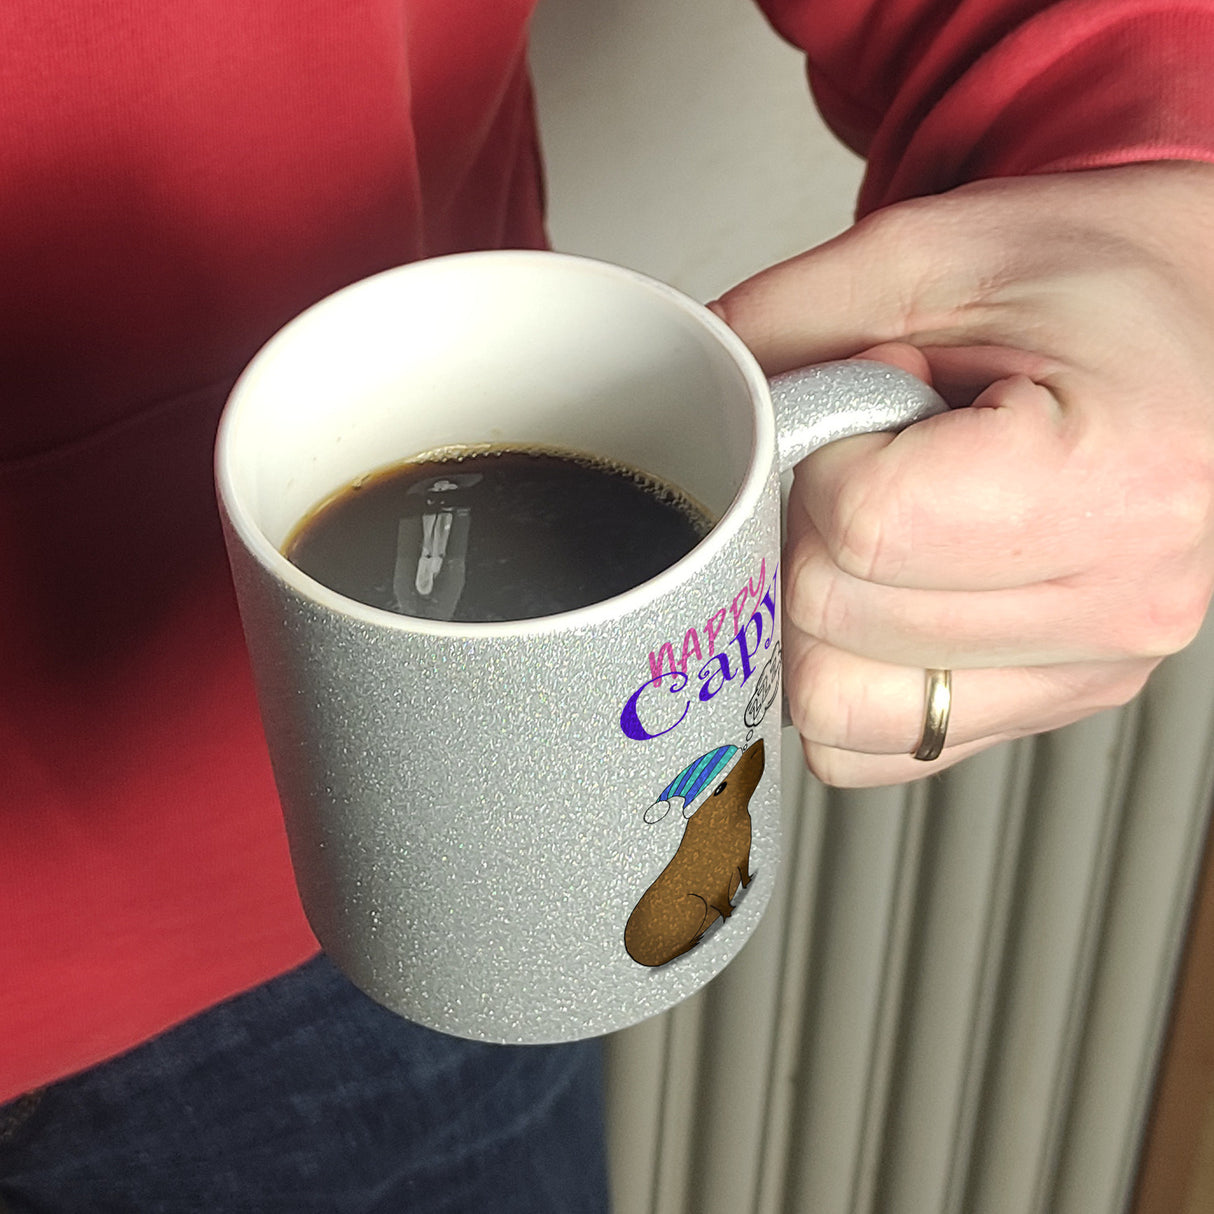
pixel 466 815
pixel 816 405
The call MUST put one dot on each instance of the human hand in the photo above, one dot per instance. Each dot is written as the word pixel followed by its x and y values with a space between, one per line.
pixel 1055 540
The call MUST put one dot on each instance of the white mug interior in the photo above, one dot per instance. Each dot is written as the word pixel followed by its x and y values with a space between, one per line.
pixel 518 349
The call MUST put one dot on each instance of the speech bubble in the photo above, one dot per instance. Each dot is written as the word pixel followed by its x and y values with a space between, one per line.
pixel 767 689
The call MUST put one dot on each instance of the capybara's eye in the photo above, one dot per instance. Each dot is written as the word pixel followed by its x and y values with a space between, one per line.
pixel 720 788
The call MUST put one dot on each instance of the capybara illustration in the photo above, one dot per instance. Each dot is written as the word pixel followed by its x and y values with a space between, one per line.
pixel 699 883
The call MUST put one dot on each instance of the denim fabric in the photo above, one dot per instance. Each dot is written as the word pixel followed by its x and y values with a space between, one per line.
pixel 305 1097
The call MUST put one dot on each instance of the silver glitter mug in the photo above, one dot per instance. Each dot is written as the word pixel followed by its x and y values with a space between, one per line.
pixel 551 828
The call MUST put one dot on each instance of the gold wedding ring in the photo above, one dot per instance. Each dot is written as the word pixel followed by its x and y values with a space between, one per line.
pixel 937 701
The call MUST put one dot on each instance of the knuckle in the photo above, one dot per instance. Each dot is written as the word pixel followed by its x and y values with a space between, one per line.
pixel 1174 531
pixel 1189 506
pixel 819 700
pixel 866 539
pixel 1175 623
pixel 829 610
pixel 811 598
pixel 908 229
pixel 829 765
pixel 1164 622
pixel 1085 689
pixel 797 599
pixel 1126 685
pixel 845 769
pixel 909 233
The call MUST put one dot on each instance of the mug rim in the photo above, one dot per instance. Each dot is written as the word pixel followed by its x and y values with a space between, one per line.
pixel 745 500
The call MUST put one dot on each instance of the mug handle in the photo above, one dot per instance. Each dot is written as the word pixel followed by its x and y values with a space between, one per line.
pixel 815 405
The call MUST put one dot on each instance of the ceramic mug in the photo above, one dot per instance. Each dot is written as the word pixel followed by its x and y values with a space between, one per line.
pixel 551 828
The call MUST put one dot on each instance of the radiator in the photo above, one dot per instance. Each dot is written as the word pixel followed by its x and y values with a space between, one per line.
pixel 956 1002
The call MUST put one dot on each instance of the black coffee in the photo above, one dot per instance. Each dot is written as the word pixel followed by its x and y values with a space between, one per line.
pixel 495 535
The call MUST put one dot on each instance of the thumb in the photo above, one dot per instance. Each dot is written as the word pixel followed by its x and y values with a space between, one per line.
pixel 867 287
pixel 902 355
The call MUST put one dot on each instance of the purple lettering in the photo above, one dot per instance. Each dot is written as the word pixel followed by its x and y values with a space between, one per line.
pixel 714 674
pixel 630 721
pixel 769 601
pixel 745 651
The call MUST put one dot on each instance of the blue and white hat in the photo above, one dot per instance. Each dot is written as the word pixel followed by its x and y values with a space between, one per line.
pixel 691 782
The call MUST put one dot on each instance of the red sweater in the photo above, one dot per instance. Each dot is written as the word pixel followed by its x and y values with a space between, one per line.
pixel 175 183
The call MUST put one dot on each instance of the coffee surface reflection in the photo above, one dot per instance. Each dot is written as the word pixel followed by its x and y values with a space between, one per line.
pixel 497 534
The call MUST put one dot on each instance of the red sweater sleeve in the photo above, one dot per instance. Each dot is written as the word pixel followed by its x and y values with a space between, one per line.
pixel 939 92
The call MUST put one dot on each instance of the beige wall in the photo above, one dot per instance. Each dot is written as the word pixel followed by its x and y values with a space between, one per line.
pixel 681 139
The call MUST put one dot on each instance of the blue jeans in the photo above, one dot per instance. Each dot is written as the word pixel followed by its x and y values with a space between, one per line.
pixel 305 1097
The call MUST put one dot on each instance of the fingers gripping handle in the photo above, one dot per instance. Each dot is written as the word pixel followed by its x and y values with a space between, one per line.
pixel 816 405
